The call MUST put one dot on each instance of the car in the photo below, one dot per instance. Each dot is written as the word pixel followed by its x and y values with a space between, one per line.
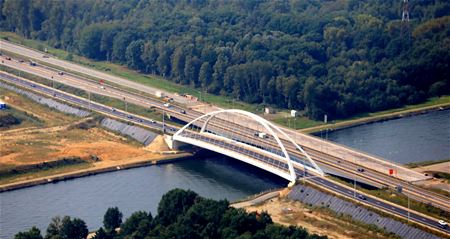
pixel 60 73
pixel 362 197
pixel 167 105
pixel 361 170
pixel 33 85
pixel 8 58
pixel 129 116
pixel 183 111
pixel 45 56
pixel 152 121
pixel 113 110
pixel 20 61
pixel 102 87
pixel 140 120
pixel 442 224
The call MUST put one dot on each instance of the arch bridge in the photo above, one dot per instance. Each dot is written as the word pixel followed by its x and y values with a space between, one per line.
pixel 259 143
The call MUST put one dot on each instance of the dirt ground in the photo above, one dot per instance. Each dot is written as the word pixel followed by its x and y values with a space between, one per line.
pixel 288 212
pixel 57 136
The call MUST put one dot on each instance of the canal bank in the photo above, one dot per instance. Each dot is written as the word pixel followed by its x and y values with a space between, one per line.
pixel 163 159
pixel 376 118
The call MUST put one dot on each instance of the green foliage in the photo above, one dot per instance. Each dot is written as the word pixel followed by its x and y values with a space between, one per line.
pixel 173 204
pixel 112 219
pixel 133 223
pixel 33 233
pixel 334 57
pixel 184 214
pixel 66 228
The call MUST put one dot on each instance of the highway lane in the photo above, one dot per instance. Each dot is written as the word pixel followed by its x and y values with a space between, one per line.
pixel 346 167
pixel 323 182
pixel 36 55
pixel 89 104
pixel 306 140
pixel 140 120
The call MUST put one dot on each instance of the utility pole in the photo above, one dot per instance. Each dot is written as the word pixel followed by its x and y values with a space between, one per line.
pixel 405 20
pixel 163 122
pixel 89 97
pixel 354 178
pixel 126 105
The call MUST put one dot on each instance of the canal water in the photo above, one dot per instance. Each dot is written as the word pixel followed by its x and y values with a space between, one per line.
pixel 130 190
pixel 404 140
pixel 411 139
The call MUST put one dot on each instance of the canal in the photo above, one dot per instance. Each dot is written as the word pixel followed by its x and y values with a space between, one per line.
pixel 411 139
pixel 405 140
pixel 131 190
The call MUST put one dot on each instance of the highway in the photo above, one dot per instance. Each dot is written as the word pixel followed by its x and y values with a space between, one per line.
pixel 344 166
pixel 36 55
pixel 320 181
pixel 134 98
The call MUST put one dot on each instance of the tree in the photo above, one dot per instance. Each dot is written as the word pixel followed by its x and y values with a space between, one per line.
pixel 67 228
pixel 33 233
pixel 101 234
pixel 89 44
pixel 134 53
pixel 163 61
pixel 120 44
pixel 178 64
pixel 173 204
pixel 112 218
pixel 205 75
pixel 191 71
pixel 132 223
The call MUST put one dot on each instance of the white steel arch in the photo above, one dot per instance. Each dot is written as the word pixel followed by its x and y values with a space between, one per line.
pixel 271 128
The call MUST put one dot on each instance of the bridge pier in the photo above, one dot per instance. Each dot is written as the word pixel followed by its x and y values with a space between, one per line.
pixel 173 144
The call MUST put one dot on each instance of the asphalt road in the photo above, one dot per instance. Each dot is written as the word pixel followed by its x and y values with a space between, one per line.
pixel 321 181
pixel 345 167
pixel 36 55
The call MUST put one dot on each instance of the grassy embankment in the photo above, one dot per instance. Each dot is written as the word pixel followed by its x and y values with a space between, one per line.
pixel 425 163
pixel 399 199
pixel 24 119
pixel 11 173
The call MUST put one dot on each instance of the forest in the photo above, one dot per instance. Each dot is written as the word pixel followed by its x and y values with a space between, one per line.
pixel 334 57
pixel 181 214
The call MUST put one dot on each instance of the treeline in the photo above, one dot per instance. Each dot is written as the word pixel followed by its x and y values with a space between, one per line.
pixel 339 57
pixel 181 214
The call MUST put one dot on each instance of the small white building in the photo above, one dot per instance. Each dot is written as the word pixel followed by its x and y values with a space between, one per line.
pixel 294 113
pixel 2 105
pixel 268 110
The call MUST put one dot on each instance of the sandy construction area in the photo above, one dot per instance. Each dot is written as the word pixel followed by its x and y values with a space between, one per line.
pixel 288 212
